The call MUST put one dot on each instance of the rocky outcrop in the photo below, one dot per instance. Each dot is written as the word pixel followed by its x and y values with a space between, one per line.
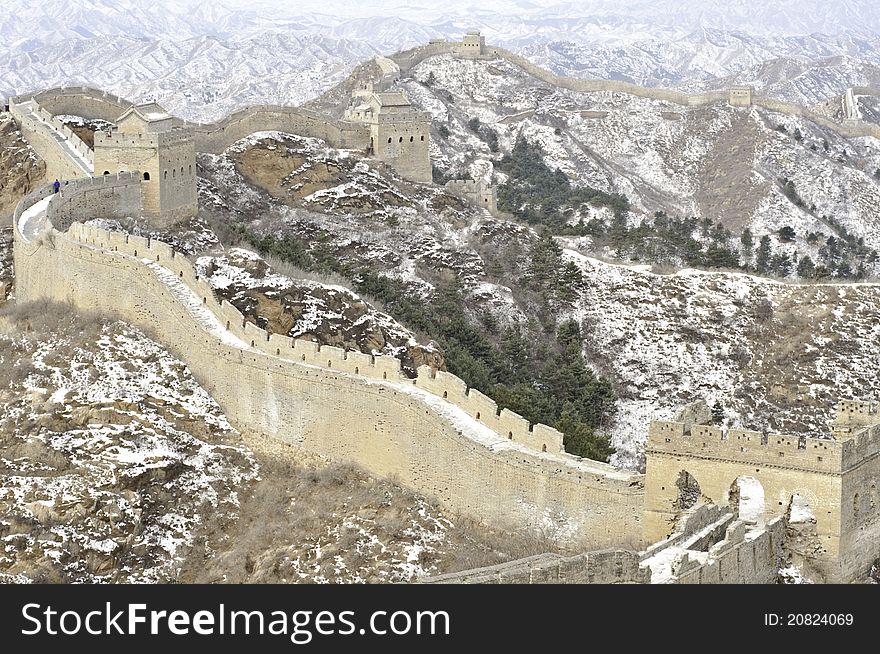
pixel 22 170
pixel 324 313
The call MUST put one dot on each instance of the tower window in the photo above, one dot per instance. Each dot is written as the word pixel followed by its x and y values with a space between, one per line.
pixel 146 177
pixel 173 173
pixel 106 172
pixel 422 138
pixel 412 138
pixel 389 139
pixel 166 174
pixel 400 140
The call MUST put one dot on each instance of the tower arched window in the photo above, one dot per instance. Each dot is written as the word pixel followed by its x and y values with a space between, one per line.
pixel 146 177
pixel 173 173
pixel 400 140
pixel 412 138
pixel 389 139
pixel 166 174
pixel 422 137
pixel 190 170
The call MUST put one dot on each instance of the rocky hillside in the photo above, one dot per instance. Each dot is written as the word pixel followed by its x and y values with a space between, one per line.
pixel 21 170
pixel 320 312
pixel 742 168
pixel 116 466
pixel 772 356
pixel 6 274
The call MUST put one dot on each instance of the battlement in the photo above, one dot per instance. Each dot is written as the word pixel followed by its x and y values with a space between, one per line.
pixel 741 445
pixel 347 406
pixel 118 139
pixel 505 423
pixel 855 436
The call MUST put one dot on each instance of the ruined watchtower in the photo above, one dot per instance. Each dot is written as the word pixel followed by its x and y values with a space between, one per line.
pixel 836 476
pixel 399 134
pixel 146 140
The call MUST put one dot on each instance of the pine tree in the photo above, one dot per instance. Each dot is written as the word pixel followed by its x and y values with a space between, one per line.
pixel 762 257
pixel 806 268
pixel 748 243
pixel 717 413
pixel 787 234
pixel 569 280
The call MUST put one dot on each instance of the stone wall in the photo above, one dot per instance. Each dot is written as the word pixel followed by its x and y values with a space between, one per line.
pixel 411 58
pixel 836 477
pixel 860 503
pixel 78 101
pixel 106 196
pixel 737 559
pixel 216 137
pixel 344 405
pixel 479 194
pixel 601 567
pixel 58 164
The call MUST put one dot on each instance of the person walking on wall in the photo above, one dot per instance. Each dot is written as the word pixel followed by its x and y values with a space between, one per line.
pixel 56 185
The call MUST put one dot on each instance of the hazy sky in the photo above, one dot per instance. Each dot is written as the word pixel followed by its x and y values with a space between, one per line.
pixel 229 16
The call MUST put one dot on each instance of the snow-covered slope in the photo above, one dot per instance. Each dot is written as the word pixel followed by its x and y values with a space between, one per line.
pixel 774 356
pixel 203 60
pixel 717 162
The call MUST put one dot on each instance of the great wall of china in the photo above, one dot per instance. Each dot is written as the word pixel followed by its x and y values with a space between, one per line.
pixel 432 433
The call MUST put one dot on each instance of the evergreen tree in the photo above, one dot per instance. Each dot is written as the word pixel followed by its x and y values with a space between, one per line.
pixel 806 268
pixel 748 243
pixel 582 440
pixel 787 234
pixel 781 264
pixel 762 257
pixel 569 280
pixel 717 413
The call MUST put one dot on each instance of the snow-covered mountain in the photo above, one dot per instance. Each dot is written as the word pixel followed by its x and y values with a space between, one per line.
pixel 204 59
pixel 744 168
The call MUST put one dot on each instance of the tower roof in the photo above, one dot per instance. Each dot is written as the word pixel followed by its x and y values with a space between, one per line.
pixel 150 112
pixel 392 99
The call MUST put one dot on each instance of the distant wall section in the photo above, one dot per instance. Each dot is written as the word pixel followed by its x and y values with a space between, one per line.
pixel 216 137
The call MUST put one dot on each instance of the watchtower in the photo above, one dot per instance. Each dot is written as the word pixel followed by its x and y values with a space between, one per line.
pixel 399 134
pixel 472 46
pixel 146 140
pixel 741 96
pixel 836 476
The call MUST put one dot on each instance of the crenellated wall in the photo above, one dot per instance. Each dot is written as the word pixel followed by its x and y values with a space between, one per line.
pixel 78 101
pixel 216 137
pixel 737 96
pixel 712 545
pixel 344 405
pixel 59 165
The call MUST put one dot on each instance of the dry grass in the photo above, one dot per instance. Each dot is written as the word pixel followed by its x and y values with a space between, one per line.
pixel 286 516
